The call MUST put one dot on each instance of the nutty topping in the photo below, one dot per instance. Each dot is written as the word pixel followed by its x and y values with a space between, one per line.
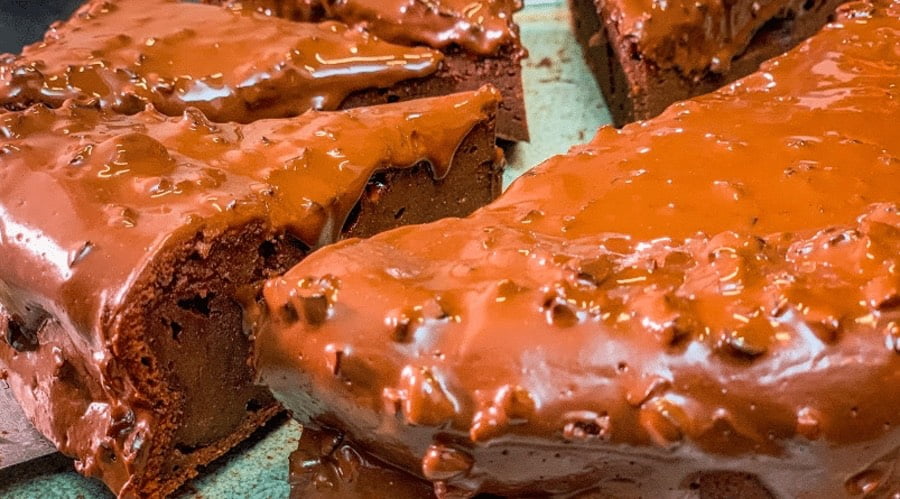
pixel 586 425
pixel 443 463
pixel 596 270
pixel 751 338
pixel 510 406
pixel 809 423
pixel 663 421
pixel 559 313
pixel 315 308
pixel 425 399
pixel 399 324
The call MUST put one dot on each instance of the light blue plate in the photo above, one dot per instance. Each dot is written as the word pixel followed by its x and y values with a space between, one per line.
pixel 564 108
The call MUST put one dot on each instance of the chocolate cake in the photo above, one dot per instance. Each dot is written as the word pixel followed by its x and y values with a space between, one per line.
pixel 706 304
pixel 648 54
pixel 232 65
pixel 479 40
pixel 133 249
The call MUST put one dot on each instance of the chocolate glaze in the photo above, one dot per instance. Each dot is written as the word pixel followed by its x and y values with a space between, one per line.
pixel 324 465
pixel 712 291
pixel 479 26
pixel 95 210
pixel 695 36
pixel 635 87
pixel 233 66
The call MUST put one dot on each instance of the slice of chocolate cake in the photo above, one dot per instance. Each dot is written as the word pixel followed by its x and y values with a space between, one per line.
pixel 647 54
pixel 233 65
pixel 133 247
pixel 705 304
pixel 479 40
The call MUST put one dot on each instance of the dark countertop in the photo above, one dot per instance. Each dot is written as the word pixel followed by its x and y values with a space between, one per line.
pixel 25 21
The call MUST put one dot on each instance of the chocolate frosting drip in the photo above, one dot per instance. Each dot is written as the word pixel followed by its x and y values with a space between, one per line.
pixel 717 289
pixel 91 202
pixel 695 36
pixel 324 465
pixel 479 26
pixel 233 66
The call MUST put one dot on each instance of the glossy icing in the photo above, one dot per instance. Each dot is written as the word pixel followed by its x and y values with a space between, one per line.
pixel 233 66
pixel 92 204
pixel 716 289
pixel 480 26
pixel 695 36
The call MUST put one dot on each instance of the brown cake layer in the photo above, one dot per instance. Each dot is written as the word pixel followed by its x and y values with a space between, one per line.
pixel 462 72
pixel 235 65
pixel 646 57
pixel 704 303
pixel 134 247
pixel 479 39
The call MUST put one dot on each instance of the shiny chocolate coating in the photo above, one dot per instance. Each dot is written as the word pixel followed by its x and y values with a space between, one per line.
pixel 232 65
pixel 714 290
pixel 482 27
pixel 93 204
pixel 325 466
pixel 695 36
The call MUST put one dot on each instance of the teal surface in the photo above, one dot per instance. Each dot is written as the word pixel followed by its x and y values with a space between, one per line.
pixel 564 108
pixel 562 99
pixel 256 469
